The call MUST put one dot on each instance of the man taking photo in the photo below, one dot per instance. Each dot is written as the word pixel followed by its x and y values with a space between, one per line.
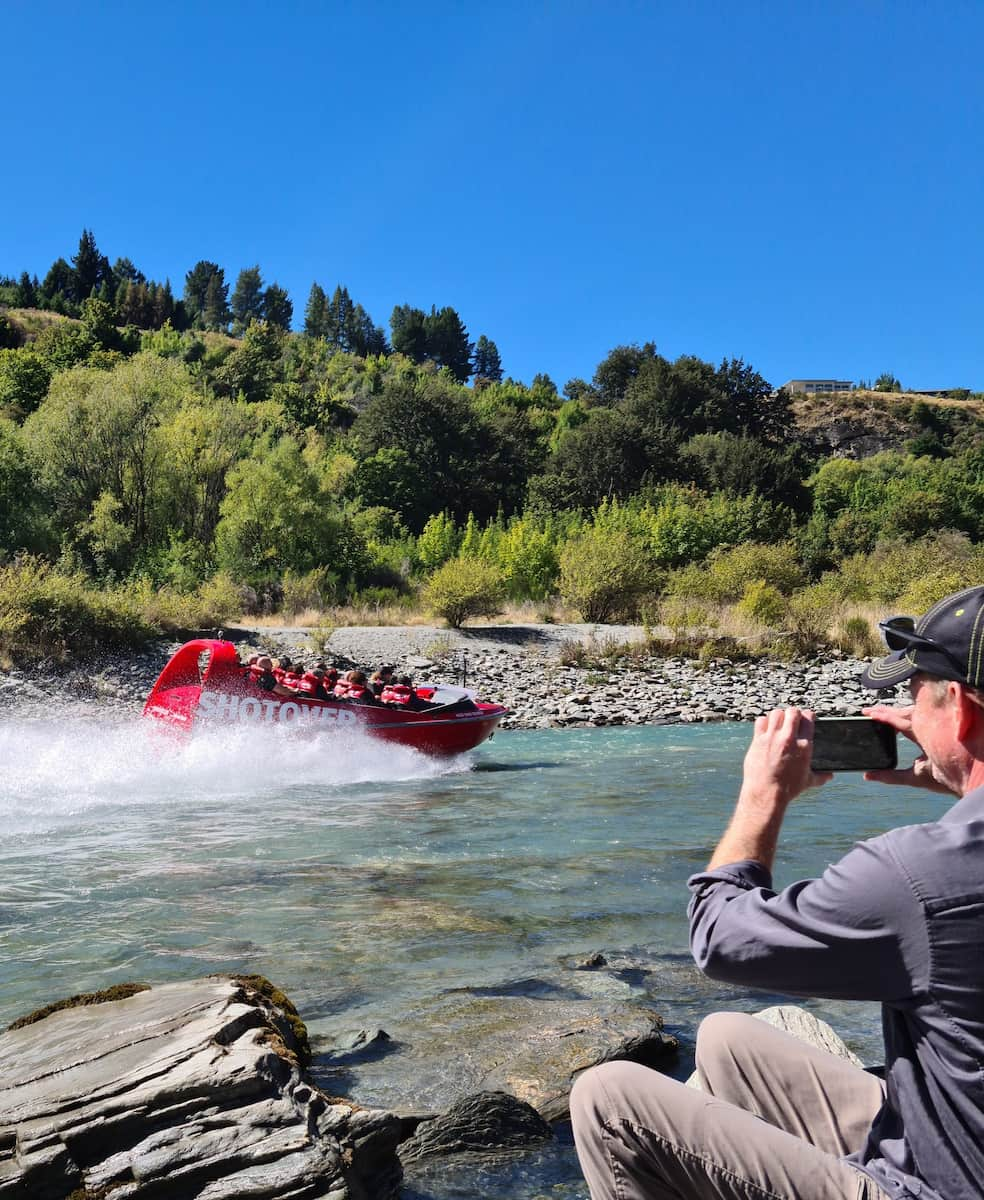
pixel 900 920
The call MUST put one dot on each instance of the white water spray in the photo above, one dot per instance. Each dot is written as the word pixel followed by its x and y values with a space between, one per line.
pixel 66 765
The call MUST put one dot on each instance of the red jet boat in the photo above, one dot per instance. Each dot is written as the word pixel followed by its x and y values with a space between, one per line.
pixel 205 683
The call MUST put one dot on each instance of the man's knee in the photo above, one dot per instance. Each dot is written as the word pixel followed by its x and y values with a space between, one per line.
pixel 615 1092
pixel 725 1033
pixel 606 1093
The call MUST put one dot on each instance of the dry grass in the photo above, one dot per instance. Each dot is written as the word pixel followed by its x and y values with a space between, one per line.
pixel 529 612
pixel 33 321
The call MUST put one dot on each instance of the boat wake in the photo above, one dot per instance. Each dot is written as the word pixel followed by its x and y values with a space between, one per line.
pixel 66 767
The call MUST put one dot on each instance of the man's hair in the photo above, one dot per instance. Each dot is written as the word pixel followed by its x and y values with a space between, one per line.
pixel 938 688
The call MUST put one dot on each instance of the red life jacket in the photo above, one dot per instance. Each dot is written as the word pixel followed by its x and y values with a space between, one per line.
pixel 341 689
pixel 357 691
pixel 396 693
pixel 309 683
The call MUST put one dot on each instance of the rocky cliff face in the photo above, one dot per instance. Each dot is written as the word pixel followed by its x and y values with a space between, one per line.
pixel 855 427
pixel 183 1090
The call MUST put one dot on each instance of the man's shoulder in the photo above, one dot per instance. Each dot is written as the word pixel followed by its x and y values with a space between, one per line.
pixel 939 858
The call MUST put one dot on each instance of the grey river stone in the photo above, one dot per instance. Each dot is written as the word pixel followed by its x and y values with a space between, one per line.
pixel 183 1090
pixel 519 666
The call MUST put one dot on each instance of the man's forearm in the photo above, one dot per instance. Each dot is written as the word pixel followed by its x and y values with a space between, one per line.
pixel 753 833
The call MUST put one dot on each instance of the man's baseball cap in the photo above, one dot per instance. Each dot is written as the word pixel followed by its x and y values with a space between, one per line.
pixel 948 642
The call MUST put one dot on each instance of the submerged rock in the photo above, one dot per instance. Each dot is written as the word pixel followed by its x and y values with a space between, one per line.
pixel 482 1122
pixel 183 1090
pixel 530 1038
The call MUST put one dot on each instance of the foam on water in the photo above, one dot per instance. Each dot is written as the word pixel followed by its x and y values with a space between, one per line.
pixel 57 769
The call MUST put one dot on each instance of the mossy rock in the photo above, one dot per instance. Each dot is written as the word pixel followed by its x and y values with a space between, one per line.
pixel 262 985
pixel 119 991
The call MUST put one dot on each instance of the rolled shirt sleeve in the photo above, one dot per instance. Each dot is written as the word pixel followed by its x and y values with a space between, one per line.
pixel 854 933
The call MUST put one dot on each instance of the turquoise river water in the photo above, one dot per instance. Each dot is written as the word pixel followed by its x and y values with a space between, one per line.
pixel 369 882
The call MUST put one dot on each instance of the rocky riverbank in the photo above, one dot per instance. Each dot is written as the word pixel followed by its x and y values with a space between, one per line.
pixel 519 666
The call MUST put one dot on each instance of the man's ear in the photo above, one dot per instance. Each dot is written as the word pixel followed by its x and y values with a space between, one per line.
pixel 967 714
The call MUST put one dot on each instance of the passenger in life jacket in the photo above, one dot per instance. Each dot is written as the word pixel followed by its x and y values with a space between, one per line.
pixel 381 680
pixel 262 675
pixel 403 695
pixel 356 688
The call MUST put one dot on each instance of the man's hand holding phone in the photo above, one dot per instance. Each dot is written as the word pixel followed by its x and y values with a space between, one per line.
pixel 921 774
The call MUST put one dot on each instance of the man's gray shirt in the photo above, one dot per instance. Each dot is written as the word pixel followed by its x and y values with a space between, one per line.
pixel 900 919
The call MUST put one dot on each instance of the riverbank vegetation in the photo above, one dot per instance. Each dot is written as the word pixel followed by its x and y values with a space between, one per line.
pixel 168 465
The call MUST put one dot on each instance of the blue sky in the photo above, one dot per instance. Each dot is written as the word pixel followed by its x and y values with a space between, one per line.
pixel 798 184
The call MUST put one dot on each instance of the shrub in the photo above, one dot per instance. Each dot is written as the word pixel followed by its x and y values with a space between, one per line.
pixel 924 592
pixel 856 638
pixel 49 614
pixel 313 589
pixel 173 611
pixel 808 619
pixel 688 622
pixel 763 602
pixel 463 588
pixel 319 637
pixel 604 574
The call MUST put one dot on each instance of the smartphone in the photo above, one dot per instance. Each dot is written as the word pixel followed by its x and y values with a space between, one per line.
pixel 853 744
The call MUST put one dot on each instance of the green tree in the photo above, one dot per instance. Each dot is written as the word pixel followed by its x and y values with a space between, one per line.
pixel 20 503
pixel 246 302
pixel 123 269
pixel 24 380
pixel 215 314
pixel 487 364
pixel 408 331
pixel 58 288
pixel 617 370
pixel 438 542
pixel 605 573
pixel 727 462
pixel 100 432
pixel 447 342
pixel 27 291
pixel 99 322
pixel 316 312
pixel 276 519
pixel 91 268
pixel 278 309
pixel 253 367
pixel 463 588
pixel 197 283
pixel 886 382
pixel 205 439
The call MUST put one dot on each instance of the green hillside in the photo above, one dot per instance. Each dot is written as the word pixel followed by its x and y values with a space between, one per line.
pixel 213 461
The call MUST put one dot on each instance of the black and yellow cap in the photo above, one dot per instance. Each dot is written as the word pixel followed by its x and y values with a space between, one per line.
pixel 948 643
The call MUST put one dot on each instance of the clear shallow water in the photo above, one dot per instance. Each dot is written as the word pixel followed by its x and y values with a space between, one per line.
pixel 368 881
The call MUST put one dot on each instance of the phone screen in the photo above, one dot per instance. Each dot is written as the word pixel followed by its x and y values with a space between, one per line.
pixel 853 744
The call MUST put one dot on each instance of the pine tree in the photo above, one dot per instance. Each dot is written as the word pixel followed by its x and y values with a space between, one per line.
pixel 316 312
pixel 26 295
pixel 196 287
pixel 487 363
pixel 447 342
pixel 88 267
pixel 408 327
pixel 277 307
pixel 163 309
pixel 339 318
pixel 58 285
pixel 124 269
pixel 215 313
pixel 247 299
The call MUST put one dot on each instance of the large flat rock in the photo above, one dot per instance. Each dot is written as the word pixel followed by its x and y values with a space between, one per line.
pixel 183 1090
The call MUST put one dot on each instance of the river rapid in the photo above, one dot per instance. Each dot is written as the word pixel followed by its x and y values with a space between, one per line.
pixel 368 881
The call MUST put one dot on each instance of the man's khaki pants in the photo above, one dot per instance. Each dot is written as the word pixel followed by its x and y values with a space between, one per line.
pixel 773 1121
